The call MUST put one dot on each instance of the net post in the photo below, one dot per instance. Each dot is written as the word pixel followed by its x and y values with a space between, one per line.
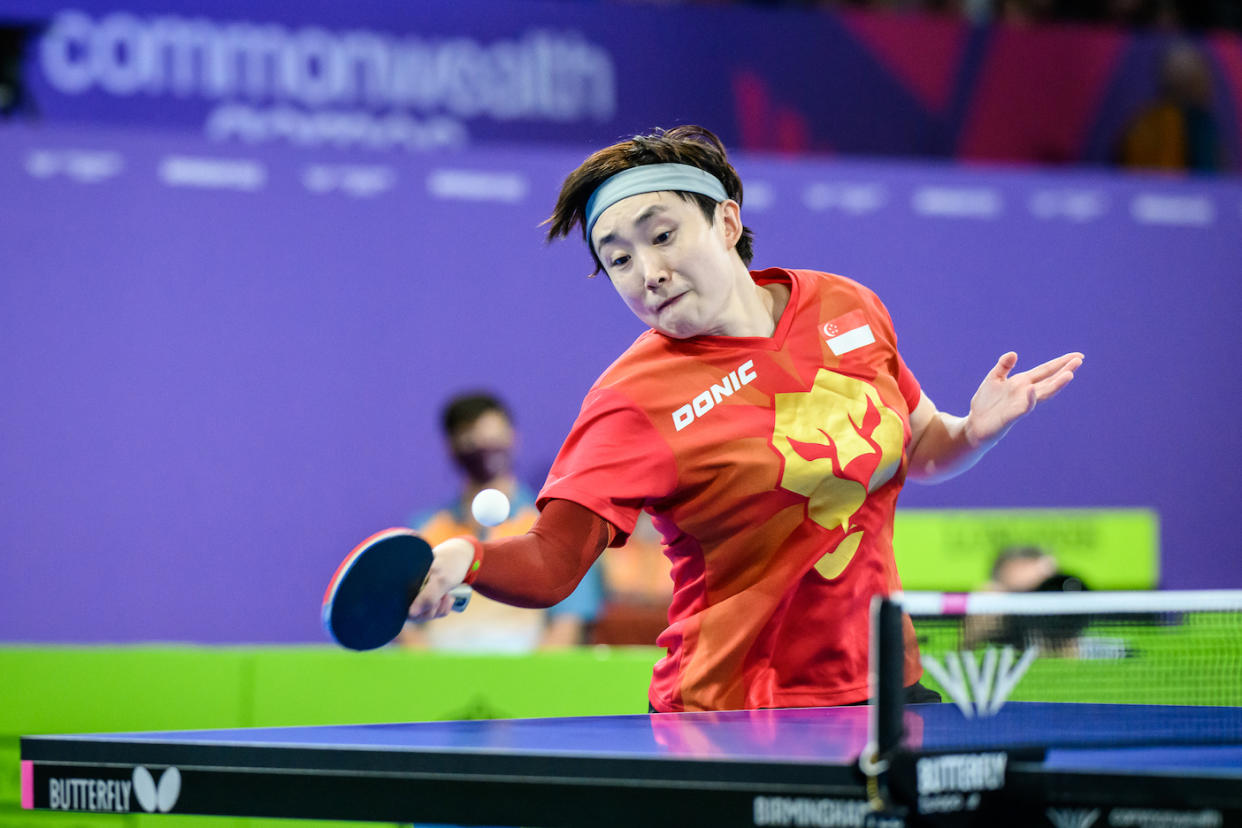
pixel 887 665
pixel 887 693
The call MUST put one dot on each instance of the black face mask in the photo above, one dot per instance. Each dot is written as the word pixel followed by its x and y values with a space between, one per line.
pixel 484 464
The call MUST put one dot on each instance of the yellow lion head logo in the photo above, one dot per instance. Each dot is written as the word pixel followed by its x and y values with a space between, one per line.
pixel 840 441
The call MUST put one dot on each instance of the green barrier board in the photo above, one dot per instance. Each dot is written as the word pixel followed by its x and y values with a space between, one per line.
pixel 311 686
pixel 104 689
pixel 953 550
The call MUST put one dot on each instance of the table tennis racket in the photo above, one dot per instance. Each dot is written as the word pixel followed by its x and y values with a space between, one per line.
pixel 367 601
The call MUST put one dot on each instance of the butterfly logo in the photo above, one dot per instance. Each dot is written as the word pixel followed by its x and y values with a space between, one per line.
pixel 153 797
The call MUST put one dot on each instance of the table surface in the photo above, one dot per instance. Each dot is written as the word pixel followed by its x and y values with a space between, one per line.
pixel 733 767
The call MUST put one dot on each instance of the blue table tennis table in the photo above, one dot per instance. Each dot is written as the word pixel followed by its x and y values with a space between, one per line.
pixel 1128 766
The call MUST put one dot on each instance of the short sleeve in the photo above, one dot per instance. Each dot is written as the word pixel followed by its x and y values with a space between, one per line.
pixel 613 462
pixel 907 384
pixel 909 387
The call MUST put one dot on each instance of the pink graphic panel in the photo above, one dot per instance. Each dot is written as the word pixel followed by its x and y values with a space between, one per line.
pixel 1226 48
pixel 27 785
pixel 924 52
pixel 1039 92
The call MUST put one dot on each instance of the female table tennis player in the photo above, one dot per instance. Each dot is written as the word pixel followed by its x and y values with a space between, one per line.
pixel 766 421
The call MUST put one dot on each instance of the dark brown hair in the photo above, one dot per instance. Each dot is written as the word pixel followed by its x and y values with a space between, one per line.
pixel 693 145
pixel 462 411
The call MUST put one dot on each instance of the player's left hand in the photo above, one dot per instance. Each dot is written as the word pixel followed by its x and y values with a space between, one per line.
pixel 1003 398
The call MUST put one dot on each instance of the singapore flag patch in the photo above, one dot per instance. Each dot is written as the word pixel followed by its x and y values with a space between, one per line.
pixel 848 333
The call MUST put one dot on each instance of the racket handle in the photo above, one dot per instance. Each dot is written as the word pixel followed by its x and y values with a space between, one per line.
pixel 461 597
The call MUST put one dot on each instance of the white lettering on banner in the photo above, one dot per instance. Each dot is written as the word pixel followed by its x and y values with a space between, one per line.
pixel 256 125
pixel 961 773
pixel 85 166
pixel 855 199
pixel 359 181
pixel 1176 211
pixel 957 202
pixel 1153 818
pixel 1072 205
pixel 760 195
pixel 556 76
pixel 817 813
pixel 74 794
pixel 743 374
pixel 950 803
pixel 477 185
pixel 212 173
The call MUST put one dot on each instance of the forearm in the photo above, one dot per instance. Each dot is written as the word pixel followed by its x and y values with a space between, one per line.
pixel 945 448
pixel 542 567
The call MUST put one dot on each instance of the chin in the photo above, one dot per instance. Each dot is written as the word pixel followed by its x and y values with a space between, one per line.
pixel 677 331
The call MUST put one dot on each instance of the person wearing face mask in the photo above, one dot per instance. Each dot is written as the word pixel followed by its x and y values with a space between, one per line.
pixel 480 437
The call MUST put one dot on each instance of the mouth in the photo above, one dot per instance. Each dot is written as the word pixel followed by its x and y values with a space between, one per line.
pixel 668 303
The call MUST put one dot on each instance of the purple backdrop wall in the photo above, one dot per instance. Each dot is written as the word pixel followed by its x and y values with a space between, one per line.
pixel 222 367
pixel 453 73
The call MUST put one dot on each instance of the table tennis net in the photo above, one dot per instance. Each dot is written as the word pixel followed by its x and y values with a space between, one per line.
pixel 983 651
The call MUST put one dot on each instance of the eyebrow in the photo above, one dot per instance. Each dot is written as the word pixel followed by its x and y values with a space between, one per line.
pixel 643 216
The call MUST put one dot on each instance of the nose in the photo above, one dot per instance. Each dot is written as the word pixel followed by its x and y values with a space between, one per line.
pixel 655 272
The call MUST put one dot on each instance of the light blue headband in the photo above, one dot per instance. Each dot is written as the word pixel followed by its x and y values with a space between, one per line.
pixel 650 178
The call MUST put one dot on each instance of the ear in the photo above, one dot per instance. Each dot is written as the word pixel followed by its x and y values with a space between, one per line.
pixel 729 213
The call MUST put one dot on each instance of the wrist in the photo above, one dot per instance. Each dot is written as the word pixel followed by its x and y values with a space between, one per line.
pixel 976 441
pixel 969 434
pixel 476 562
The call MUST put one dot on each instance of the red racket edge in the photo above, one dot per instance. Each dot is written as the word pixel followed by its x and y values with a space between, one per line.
pixel 384 534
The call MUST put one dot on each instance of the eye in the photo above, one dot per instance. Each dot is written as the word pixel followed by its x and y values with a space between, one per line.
pixel 663 237
pixel 619 260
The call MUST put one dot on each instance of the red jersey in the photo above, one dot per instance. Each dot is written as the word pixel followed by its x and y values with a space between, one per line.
pixel 771 466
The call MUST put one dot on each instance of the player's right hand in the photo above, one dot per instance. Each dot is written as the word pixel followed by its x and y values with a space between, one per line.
pixel 451 561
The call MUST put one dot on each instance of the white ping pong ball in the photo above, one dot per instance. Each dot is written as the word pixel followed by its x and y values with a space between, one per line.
pixel 490 507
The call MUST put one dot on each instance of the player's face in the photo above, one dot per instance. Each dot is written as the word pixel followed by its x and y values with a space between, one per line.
pixel 676 271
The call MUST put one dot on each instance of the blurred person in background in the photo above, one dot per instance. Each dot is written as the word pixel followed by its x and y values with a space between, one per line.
pixel 1027 569
pixel 1178 130
pixel 1021 569
pixel 638 588
pixel 480 437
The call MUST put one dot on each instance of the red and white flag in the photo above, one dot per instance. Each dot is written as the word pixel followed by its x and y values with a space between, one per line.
pixel 849 332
